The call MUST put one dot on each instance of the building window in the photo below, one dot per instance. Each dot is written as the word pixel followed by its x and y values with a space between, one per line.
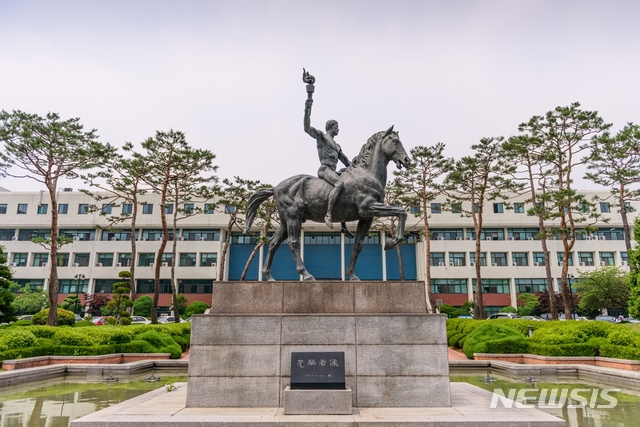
pixel 168 209
pixel 147 209
pixel 7 233
pixel 436 208
pixel 208 259
pixel 147 286
pixel 487 234
pixel 40 259
pixel 414 210
pixel 605 207
pixel 437 259
pixel 456 207
pixel 3 208
pixel 227 209
pixel 498 208
pixel 522 233
pixel 521 259
pixel 22 208
pixel 624 257
pixel 32 284
pixel 585 258
pixel 104 286
pixel 483 258
pixel 210 208
pixel 538 258
pixel 68 286
pixel 26 234
pixel 189 208
pixel 83 208
pixel 310 238
pixel 610 234
pixel 106 259
pixel 561 258
pixel 20 259
pixel 531 286
pixel 63 208
pixel 145 259
pixel 457 259
pixel 448 286
pixel 83 235
pixel 42 209
pixel 124 259
pixel 499 259
pixel 127 208
pixel 518 208
pixel 62 259
pixel 106 209
pixel 476 208
pixel 81 259
pixel 196 286
pixel 156 234
pixel 167 259
pixel 493 286
pixel 371 239
pixel 116 235
pixel 194 234
pixel 446 234
pixel 606 258
pixel 188 259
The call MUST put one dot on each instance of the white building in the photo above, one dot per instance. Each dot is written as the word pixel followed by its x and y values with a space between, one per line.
pixel 512 261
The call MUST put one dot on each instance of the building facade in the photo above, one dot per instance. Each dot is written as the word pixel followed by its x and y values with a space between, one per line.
pixel 512 260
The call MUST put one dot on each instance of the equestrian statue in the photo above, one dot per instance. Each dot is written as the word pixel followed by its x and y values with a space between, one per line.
pixel 354 193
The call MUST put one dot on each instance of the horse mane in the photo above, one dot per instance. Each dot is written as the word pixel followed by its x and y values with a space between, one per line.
pixel 363 159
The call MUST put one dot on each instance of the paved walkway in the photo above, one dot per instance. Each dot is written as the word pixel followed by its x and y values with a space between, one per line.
pixel 456 355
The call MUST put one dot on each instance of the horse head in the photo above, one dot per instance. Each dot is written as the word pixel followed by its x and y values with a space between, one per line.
pixel 393 149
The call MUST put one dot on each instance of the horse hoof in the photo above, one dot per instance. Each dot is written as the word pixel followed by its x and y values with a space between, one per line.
pixel 389 244
pixel 354 278
pixel 309 278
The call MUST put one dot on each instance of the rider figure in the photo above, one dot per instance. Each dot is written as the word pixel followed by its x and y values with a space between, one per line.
pixel 329 152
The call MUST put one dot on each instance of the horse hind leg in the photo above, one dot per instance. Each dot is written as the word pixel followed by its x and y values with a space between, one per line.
pixel 277 238
pixel 293 230
pixel 363 228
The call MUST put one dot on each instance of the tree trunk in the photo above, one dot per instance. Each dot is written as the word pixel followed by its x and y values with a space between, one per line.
pixel 225 248
pixel 427 265
pixel 174 287
pixel 400 262
pixel 52 318
pixel 547 268
pixel 250 260
pixel 163 245
pixel 625 220
pixel 132 267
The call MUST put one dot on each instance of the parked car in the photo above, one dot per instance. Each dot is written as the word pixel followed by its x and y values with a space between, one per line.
pixel 166 319
pixel 99 320
pixel 632 319
pixel 25 317
pixel 504 316
pixel 608 319
pixel 534 318
pixel 140 320
pixel 564 317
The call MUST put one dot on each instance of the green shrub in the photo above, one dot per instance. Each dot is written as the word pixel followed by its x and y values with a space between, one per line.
pixel 65 317
pixel 42 331
pixel 72 337
pixel 620 352
pixel 125 321
pixel 562 350
pixel 560 335
pixel 111 321
pixel 475 342
pixel 17 338
pixel 508 345
pixel 21 323
pixel 196 307
pixel 142 306
pixel 509 309
pixel 83 324
pixel 622 337
pixel 161 343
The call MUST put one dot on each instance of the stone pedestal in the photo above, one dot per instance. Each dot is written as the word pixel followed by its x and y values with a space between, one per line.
pixel 395 353
pixel 317 402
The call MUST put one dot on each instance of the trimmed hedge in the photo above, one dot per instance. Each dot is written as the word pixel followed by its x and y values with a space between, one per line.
pixel 65 317
pixel 565 339
pixel 67 350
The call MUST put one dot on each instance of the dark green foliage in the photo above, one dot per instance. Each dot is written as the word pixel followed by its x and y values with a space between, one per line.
pixel 508 345
pixel 17 338
pixel 7 309
pixel 22 323
pixel 64 317
pixel 508 309
pixel 449 310
pixel 562 350
pixel 71 337
pixel 120 294
pixel 620 352
pixel 196 307
pixel 83 324
pixel 142 306
pixel 476 342
pixel 161 343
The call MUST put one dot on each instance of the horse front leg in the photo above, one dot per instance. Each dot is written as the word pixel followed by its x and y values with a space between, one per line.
pixel 293 229
pixel 380 209
pixel 277 238
pixel 363 228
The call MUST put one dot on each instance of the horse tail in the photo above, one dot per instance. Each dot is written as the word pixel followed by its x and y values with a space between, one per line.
pixel 254 203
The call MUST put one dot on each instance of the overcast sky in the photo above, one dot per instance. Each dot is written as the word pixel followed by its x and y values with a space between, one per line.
pixel 228 73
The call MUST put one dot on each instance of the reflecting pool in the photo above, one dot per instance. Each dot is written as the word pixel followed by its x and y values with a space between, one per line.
pixel 55 403
pixel 579 404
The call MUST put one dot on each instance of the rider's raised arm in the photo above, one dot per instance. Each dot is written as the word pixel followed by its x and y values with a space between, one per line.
pixel 315 133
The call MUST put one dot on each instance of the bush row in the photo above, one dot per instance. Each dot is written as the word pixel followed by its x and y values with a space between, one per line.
pixel 511 336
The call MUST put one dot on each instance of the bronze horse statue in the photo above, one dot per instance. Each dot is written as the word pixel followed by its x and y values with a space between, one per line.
pixel 304 197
